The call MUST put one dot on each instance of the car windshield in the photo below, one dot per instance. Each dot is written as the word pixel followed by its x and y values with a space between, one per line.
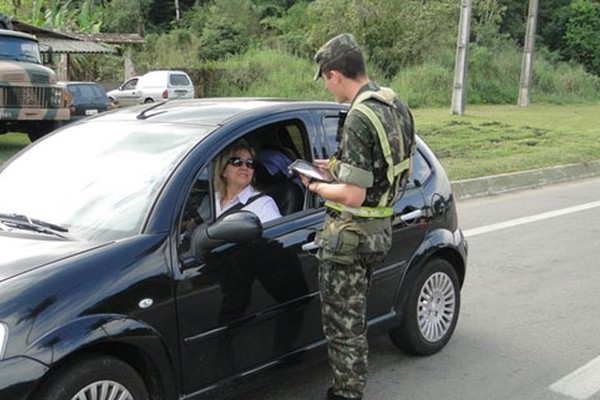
pixel 97 179
pixel 20 49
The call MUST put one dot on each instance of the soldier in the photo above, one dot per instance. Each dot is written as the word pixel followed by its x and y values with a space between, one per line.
pixel 371 161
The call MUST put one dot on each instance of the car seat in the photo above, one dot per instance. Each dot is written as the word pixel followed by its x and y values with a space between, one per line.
pixel 274 179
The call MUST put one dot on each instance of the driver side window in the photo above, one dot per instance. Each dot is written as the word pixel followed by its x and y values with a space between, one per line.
pixel 197 210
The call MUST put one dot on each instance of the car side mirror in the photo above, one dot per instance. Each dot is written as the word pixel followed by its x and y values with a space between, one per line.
pixel 238 227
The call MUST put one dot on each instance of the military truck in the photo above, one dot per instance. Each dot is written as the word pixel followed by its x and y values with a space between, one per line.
pixel 30 100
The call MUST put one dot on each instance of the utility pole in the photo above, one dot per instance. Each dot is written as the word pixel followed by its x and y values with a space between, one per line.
pixel 177 14
pixel 459 88
pixel 528 52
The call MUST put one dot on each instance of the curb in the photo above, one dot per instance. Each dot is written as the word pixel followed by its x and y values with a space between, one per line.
pixel 504 183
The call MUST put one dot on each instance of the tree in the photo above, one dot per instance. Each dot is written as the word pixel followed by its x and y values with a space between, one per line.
pixel 229 27
pixel 582 35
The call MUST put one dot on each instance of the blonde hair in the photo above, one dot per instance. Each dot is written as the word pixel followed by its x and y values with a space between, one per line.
pixel 223 158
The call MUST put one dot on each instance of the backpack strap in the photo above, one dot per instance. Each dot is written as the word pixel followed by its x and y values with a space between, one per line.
pixel 396 173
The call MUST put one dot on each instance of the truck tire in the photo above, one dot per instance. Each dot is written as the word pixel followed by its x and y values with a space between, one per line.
pixel 5 22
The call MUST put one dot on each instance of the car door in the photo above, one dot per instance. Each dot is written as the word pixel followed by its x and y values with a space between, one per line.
pixel 406 236
pixel 247 305
pixel 128 95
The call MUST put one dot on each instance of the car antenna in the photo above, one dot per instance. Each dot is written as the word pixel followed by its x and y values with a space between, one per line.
pixel 143 115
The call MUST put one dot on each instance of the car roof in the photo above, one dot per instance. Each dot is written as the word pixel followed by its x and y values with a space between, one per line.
pixel 22 35
pixel 214 111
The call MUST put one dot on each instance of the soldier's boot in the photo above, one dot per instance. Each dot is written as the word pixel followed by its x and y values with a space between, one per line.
pixel 333 396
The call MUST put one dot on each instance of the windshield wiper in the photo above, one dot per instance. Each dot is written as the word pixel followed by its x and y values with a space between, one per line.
pixel 19 221
pixel 143 115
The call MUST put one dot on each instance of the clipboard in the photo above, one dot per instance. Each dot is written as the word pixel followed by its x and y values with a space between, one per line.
pixel 311 171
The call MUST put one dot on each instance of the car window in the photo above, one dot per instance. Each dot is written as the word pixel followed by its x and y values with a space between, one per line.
pixel 197 211
pixel 330 124
pixel 276 146
pixel 130 85
pixel 106 188
pixel 420 169
pixel 179 80
pixel 86 91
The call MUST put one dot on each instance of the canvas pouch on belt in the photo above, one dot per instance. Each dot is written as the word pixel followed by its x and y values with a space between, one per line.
pixel 342 238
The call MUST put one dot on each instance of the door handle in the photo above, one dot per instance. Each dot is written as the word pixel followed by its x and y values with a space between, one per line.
pixel 412 216
pixel 310 246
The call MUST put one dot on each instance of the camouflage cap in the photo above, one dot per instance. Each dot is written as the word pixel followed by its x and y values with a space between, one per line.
pixel 333 49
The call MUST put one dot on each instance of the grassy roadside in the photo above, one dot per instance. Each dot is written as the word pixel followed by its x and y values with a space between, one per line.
pixel 488 140
pixel 10 143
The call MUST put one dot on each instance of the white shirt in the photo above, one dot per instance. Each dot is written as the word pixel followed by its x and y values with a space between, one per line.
pixel 264 207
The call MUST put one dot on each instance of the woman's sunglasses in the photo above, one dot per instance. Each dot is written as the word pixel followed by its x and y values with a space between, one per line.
pixel 239 161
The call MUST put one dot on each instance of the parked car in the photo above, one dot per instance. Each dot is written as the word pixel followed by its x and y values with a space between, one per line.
pixel 126 94
pixel 164 85
pixel 85 99
pixel 103 291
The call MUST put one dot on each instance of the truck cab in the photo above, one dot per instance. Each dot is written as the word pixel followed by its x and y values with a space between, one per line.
pixel 30 99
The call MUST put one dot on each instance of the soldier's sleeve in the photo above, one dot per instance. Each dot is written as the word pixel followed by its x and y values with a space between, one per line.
pixel 356 160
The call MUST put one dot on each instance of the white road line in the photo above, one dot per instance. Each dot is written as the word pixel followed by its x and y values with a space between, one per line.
pixel 531 218
pixel 582 383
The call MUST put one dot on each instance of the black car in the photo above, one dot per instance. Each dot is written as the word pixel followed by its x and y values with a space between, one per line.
pixel 85 99
pixel 102 289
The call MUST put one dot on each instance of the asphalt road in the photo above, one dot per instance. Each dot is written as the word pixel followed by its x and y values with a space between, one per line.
pixel 529 324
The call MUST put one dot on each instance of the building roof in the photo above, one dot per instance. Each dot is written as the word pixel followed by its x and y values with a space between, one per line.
pixel 69 43
pixel 73 46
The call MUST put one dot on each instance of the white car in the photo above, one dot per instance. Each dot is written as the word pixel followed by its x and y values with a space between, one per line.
pixel 126 94
pixel 164 85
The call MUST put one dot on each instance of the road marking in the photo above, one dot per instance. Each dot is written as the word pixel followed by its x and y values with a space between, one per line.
pixel 582 383
pixel 527 220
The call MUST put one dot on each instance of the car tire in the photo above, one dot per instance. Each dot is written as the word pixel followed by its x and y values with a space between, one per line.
pixel 96 377
pixel 431 311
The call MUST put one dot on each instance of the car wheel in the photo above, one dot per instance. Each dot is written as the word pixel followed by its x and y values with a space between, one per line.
pixel 431 310
pixel 148 101
pixel 98 378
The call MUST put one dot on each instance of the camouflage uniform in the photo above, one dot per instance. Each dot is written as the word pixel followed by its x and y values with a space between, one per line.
pixel 350 246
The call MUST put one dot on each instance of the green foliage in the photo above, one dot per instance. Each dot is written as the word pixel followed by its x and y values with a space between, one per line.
pixel 486 21
pixel 264 72
pixel 562 83
pixel 394 33
pixel 176 49
pixel 582 35
pixel 126 16
pixel 69 15
pixel 228 28
pixel 397 33
pixel 420 85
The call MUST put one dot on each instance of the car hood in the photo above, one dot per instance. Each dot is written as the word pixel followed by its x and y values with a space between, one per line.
pixel 18 254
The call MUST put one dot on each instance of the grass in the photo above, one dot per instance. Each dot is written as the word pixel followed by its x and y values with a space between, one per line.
pixel 11 143
pixel 488 140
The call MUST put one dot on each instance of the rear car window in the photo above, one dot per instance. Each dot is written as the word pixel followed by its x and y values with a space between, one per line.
pixel 179 80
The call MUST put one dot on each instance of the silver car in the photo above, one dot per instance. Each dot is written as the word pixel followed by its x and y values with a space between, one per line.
pixel 126 94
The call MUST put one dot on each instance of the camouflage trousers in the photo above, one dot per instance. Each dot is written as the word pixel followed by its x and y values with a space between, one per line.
pixel 344 287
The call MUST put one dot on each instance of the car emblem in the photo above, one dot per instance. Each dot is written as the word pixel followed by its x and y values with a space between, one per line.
pixel 145 303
